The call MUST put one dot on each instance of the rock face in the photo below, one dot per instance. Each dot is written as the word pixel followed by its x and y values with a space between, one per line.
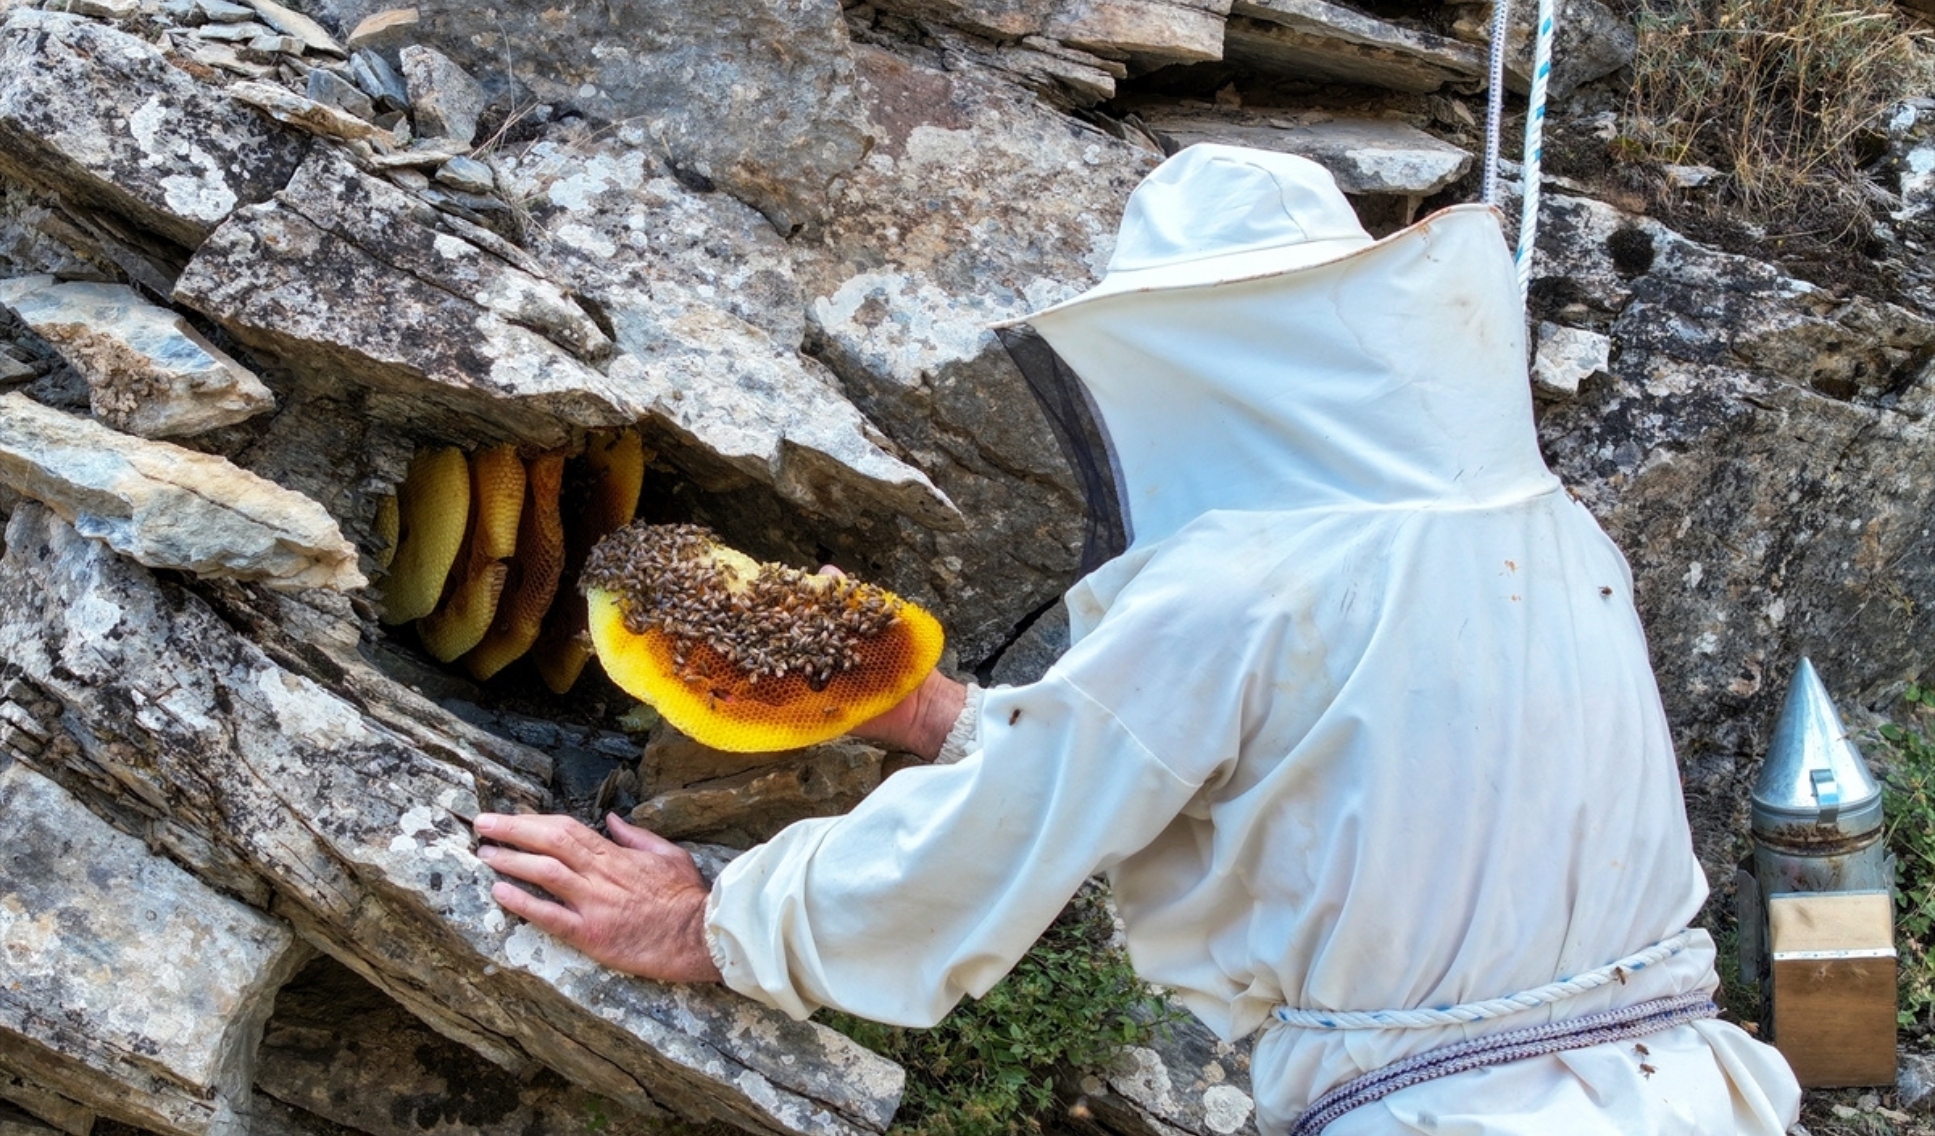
pixel 168 507
pixel 101 115
pixel 362 837
pixel 903 321
pixel 1753 448
pixel 147 371
pixel 187 1040
pixel 756 98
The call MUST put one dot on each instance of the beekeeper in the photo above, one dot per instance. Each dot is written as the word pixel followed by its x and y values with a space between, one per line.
pixel 1360 724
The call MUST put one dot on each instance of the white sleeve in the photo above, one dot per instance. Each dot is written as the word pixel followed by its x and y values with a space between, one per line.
pixel 944 876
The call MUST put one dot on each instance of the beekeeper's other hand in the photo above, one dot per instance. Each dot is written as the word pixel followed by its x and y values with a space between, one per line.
pixel 635 903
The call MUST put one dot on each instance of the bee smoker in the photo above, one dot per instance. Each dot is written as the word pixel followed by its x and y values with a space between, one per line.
pixel 1816 910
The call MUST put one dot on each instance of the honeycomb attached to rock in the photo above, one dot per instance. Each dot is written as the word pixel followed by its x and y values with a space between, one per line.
pixel 749 657
pixel 433 507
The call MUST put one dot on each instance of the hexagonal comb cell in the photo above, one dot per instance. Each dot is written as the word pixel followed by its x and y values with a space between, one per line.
pixel 532 582
pixel 749 657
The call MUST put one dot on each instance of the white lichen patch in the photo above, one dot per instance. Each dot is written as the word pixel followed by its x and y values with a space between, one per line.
pixel 532 950
pixel 307 712
pixel 1225 1108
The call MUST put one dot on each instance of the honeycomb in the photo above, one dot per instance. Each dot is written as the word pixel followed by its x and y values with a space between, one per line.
pixel 433 510
pixel 749 657
pixel 496 501
pixel 532 580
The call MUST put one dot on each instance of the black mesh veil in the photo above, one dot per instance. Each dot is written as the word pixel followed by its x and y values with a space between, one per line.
pixel 1084 441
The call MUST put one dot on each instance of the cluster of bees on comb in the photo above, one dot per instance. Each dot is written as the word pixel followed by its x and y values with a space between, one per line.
pixel 500 555
pixel 483 553
pixel 744 656
pixel 779 622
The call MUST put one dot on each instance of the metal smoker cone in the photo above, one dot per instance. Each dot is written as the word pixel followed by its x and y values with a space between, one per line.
pixel 1813 774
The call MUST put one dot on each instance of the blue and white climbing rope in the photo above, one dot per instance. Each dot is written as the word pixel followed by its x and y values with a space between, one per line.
pixel 1528 226
pixel 1528 217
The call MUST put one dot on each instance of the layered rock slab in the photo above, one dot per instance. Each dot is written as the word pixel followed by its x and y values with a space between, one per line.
pixel 170 507
pixel 1365 155
pixel 148 372
pixel 99 115
pixel 360 833
pixel 131 986
pixel 349 279
pixel 1321 42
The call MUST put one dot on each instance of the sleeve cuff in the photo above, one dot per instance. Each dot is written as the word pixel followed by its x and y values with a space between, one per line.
pixel 965 734
pixel 713 946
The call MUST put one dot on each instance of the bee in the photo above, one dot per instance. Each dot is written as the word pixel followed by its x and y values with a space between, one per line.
pixel 1646 1070
pixel 1014 716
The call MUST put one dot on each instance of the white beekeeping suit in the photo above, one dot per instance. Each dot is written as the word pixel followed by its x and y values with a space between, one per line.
pixel 1362 718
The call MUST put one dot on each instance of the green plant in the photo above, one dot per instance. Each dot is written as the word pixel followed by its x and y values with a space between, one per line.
pixel 1775 93
pixel 1908 800
pixel 988 1068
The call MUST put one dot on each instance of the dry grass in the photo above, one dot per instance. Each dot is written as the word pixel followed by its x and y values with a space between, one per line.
pixel 1782 96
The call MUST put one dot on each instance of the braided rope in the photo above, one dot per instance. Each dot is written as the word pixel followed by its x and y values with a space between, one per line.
pixel 1495 99
pixel 1499 1049
pixel 1466 1012
pixel 1528 222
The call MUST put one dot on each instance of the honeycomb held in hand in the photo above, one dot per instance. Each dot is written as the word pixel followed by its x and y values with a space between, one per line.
pixel 744 656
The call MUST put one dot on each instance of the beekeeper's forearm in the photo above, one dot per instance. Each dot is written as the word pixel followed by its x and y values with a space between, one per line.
pixel 943 877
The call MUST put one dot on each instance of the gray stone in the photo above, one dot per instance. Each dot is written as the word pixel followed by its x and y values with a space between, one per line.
pixel 1760 451
pixel 467 174
pixel 14 1122
pixel 361 831
pixel 1365 155
pixel 289 108
pixel 99 116
pixel 1566 357
pixel 51 1108
pixel 379 80
pixel 705 306
pixel 272 45
pixel 228 58
pixel 977 204
pixel 168 507
pixel 1590 42
pixel 1915 1080
pixel 242 32
pixel 1152 32
pixel 339 1049
pixel 132 987
pixel 1035 650
pixel 760 795
pixel 390 28
pixel 1186 1080
pixel 223 12
pixel 147 371
pixel 444 98
pixel 331 88
pixel 1689 177
pixel 1321 42
pixel 13 370
pixel 344 278
pixel 293 23
pixel 774 127
pixel 98 9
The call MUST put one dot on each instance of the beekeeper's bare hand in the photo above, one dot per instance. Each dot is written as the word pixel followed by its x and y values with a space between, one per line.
pixel 635 903
pixel 919 723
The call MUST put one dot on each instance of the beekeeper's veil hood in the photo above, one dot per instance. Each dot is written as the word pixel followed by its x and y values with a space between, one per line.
pixel 1251 347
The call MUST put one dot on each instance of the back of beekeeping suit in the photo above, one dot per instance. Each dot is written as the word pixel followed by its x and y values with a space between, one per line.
pixel 1361 723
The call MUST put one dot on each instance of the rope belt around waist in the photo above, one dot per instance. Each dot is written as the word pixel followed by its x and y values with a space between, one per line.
pixel 1467 1012
pixel 1498 1049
